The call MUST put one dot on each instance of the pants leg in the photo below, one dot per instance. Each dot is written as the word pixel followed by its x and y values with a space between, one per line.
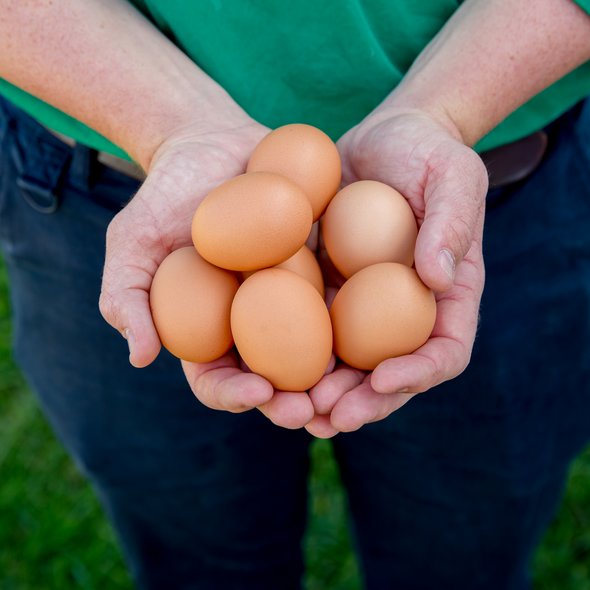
pixel 200 499
pixel 454 490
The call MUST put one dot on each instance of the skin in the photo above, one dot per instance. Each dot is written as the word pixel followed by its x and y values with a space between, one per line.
pixel 488 59
pixel 190 136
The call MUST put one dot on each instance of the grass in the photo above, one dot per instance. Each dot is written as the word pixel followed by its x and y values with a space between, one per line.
pixel 54 536
pixel 563 560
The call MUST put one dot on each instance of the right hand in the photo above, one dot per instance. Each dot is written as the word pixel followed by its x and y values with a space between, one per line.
pixel 445 183
pixel 157 221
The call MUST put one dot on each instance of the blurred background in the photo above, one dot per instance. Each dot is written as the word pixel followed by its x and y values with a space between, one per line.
pixel 54 537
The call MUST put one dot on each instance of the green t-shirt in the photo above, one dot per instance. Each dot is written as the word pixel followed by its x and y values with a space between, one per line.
pixel 324 63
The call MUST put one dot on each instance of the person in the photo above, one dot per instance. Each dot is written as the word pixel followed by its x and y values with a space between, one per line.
pixel 453 490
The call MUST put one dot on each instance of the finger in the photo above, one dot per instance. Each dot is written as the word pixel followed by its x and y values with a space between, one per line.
pixel 332 387
pixel 331 364
pixel 135 247
pixel 429 366
pixel 454 199
pixel 128 311
pixel 289 409
pixel 363 405
pixel 446 354
pixel 221 385
pixel 130 264
pixel 321 427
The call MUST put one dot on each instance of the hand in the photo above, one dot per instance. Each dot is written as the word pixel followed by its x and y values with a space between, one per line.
pixel 445 183
pixel 157 221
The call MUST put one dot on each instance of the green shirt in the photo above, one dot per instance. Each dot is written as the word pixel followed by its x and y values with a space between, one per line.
pixel 327 63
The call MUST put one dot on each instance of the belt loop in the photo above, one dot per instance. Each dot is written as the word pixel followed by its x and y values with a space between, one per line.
pixel 82 166
pixel 40 166
pixel 3 119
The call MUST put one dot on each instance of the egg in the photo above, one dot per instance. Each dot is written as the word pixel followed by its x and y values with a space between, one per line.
pixel 305 155
pixel 382 311
pixel 190 301
pixel 368 222
pixel 252 221
pixel 281 327
pixel 303 263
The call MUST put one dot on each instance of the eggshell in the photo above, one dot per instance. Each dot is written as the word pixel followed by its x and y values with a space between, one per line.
pixel 381 312
pixel 305 155
pixel 281 328
pixel 190 301
pixel 303 263
pixel 252 221
pixel 368 222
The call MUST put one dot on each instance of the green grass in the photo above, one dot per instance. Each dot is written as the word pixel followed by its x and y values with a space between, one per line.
pixel 563 560
pixel 53 535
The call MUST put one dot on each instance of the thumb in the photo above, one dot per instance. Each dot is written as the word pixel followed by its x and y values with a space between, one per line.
pixel 128 311
pixel 124 298
pixel 454 202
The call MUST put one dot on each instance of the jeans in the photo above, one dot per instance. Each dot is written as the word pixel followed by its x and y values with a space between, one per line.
pixel 453 491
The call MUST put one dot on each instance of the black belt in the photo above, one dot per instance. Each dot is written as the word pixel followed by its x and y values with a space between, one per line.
pixel 505 164
pixel 515 161
pixel 114 162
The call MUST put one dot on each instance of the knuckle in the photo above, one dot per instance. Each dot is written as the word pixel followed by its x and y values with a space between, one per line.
pixel 113 229
pixel 461 235
pixel 435 372
pixel 109 309
pixel 455 363
pixel 204 395
pixel 479 171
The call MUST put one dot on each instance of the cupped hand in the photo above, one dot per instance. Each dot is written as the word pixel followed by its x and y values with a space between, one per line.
pixel 157 221
pixel 445 183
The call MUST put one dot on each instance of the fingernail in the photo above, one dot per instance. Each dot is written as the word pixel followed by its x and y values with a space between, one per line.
pixel 447 262
pixel 130 341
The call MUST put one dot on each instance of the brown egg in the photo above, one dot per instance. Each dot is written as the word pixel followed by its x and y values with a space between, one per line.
pixel 252 221
pixel 305 155
pixel 191 301
pixel 381 312
pixel 281 328
pixel 368 222
pixel 303 263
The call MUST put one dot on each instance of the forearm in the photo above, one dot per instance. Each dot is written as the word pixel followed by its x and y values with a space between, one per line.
pixel 491 57
pixel 105 64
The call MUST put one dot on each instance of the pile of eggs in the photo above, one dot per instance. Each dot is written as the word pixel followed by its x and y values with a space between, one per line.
pixel 251 281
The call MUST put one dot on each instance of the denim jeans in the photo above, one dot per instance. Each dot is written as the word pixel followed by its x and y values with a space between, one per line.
pixel 453 491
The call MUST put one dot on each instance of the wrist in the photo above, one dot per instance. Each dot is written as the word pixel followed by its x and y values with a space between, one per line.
pixel 104 63
pixel 183 109
pixel 490 58
pixel 408 111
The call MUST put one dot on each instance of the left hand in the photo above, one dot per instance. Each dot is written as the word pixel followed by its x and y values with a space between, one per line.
pixel 445 183
pixel 185 168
